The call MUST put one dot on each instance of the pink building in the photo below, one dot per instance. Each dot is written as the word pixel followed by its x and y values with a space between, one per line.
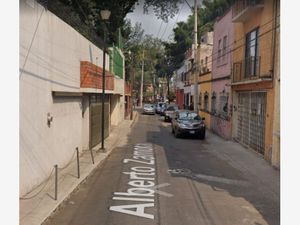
pixel 221 107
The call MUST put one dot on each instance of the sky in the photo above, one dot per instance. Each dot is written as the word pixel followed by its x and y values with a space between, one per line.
pixel 152 25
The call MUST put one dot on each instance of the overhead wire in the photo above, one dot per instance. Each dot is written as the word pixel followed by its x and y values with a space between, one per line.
pixel 32 40
pixel 241 45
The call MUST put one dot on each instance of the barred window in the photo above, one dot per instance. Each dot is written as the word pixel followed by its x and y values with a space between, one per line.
pixel 223 105
pixel 214 103
pixel 200 99
pixel 206 97
pixel 219 50
pixel 224 46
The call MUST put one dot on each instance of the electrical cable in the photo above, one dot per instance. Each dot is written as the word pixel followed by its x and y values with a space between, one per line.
pixel 34 34
pixel 159 28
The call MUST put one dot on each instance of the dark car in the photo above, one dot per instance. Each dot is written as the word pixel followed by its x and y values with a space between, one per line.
pixel 163 109
pixel 159 106
pixel 170 112
pixel 187 122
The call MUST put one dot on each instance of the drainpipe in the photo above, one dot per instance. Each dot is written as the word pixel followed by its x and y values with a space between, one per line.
pixel 275 7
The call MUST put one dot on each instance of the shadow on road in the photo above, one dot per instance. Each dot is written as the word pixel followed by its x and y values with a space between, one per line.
pixel 193 159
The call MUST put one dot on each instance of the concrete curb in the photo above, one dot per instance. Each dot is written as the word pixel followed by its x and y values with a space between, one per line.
pixel 39 214
pixel 136 114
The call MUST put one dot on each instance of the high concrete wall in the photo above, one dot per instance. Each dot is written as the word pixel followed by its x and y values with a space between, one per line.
pixel 50 55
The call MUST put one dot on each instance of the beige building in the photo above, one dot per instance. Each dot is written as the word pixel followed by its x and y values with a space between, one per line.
pixel 60 74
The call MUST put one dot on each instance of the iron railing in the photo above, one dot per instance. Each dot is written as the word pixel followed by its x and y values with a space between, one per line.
pixel 247 69
pixel 241 5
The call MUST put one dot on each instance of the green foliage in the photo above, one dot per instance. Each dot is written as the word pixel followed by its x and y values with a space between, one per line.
pixel 84 15
pixel 171 96
pixel 183 32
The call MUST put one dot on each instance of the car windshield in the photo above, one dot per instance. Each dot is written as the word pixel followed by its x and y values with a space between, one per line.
pixel 189 116
pixel 172 108
pixel 148 106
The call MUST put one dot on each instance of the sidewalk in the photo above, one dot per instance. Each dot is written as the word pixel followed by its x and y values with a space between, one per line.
pixel 34 211
pixel 248 162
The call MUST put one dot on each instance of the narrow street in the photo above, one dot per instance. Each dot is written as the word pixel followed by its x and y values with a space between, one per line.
pixel 196 182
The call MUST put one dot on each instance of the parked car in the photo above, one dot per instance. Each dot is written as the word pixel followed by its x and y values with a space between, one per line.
pixel 149 109
pixel 170 112
pixel 163 109
pixel 159 106
pixel 186 122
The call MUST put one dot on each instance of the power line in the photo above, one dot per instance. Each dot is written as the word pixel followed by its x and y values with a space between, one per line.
pixel 235 41
pixel 242 45
pixel 34 35
pixel 159 28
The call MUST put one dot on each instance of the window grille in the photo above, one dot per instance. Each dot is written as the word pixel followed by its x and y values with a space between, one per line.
pixel 206 103
pixel 214 103
pixel 200 99
pixel 223 104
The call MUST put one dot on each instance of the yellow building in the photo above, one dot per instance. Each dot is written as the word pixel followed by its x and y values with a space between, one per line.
pixel 204 56
pixel 205 97
pixel 253 73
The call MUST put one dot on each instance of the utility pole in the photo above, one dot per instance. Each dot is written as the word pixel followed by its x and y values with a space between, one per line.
pixel 142 80
pixel 196 98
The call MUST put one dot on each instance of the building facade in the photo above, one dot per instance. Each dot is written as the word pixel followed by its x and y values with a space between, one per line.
pixel 204 56
pixel 253 74
pixel 60 94
pixel 187 79
pixel 179 87
pixel 221 103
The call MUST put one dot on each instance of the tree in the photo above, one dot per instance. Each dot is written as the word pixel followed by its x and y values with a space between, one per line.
pixel 84 15
pixel 183 32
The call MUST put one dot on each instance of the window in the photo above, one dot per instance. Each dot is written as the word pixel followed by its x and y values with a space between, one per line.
pixel 200 99
pixel 224 47
pixel 214 103
pixel 251 54
pixel 205 69
pixel 206 96
pixel 219 50
pixel 223 106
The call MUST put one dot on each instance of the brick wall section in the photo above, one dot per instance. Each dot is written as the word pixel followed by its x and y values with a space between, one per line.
pixel 128 89
pixel 91 76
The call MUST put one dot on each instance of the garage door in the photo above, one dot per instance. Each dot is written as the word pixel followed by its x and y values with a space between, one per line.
pixel 251 119
pixel 96 120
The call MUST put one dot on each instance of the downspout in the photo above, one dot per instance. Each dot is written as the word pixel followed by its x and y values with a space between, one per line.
pixel 275 7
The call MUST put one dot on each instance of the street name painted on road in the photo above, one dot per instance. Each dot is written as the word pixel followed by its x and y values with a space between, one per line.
pixel 142 182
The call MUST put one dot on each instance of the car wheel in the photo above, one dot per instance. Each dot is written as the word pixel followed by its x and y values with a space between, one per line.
pixel 202 135
pixel 176 134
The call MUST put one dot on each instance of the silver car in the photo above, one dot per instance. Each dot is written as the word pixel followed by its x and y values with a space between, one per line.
pixel 149 109
pixel 169 112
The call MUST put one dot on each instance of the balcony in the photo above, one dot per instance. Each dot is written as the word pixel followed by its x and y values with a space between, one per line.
pixel 244 9
pixel 247 69
pixel 91 76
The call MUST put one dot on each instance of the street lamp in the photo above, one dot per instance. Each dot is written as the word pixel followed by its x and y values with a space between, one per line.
pixel 105 14
pixel 132 83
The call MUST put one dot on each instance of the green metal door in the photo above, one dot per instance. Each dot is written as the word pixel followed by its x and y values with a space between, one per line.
pixel 95 120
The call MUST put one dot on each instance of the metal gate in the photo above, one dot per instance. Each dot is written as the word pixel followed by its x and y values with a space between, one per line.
pixel 96 120
pixel 251 119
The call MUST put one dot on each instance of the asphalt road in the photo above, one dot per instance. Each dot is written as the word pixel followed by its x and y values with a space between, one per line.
pixel 157 179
